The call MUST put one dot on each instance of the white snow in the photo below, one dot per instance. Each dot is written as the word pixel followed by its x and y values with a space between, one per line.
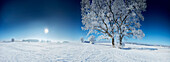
pixel 80 52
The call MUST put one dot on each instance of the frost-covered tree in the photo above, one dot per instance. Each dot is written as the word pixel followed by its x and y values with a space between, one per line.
pixel 113 18
pixel 92 39
pixel 128 16
pixel 82 39
pixel 95 20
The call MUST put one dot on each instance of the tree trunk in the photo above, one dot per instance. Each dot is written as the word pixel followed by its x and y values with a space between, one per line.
pixel 120 41
pixel 113 44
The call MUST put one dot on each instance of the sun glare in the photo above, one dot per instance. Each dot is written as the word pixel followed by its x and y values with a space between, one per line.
pixel 46 30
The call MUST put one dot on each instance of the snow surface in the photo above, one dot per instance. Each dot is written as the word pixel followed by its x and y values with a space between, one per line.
pixel 80 52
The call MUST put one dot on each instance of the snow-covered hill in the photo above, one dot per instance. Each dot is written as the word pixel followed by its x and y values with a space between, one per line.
pixel 79 52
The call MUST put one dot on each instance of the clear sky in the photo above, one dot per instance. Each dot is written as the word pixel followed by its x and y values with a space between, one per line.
pixel 24 19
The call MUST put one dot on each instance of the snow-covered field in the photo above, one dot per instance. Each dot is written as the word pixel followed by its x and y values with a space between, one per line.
pixel 80 52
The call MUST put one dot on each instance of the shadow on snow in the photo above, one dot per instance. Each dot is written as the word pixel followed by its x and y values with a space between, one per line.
pixel 139 48
pixel 131 48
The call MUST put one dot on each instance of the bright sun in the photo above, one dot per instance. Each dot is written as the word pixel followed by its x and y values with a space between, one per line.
pixel 46 30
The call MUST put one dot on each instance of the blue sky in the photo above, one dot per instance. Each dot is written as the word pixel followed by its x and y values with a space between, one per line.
pixel 24 19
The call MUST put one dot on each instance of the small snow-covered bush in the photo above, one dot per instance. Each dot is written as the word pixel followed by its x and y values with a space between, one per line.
pixel 82 39
pixel 92 39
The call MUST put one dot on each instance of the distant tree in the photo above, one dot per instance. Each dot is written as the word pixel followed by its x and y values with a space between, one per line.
pixel 82 39
pixel 92 39
pixel 12 40
pixel 113 18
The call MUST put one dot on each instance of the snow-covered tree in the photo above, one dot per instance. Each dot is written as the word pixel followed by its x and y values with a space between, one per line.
pixel 128 16
pixel 82 39
pixel 92 39
pixel 113 18
pixel 95 20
